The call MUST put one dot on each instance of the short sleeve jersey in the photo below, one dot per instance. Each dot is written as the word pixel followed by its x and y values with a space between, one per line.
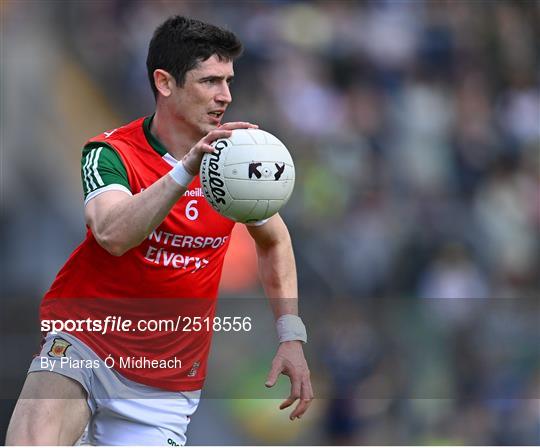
pixel 102 170
pixel 181 259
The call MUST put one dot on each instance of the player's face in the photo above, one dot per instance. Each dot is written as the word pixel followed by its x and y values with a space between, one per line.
pixel 201 102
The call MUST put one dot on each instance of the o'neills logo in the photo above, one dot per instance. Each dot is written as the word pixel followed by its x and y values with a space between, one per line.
pixel 214 176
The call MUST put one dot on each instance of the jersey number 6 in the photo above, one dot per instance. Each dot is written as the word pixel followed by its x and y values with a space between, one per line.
pixel 191 212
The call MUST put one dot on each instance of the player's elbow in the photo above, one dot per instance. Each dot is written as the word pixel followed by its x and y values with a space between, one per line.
pixel 116 250
pixel 278 240
pixel 113 245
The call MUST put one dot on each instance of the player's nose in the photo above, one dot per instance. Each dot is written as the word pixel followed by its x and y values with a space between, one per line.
pixel 224 94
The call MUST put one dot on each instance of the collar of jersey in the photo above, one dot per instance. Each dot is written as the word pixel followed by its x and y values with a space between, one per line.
pixel 155 143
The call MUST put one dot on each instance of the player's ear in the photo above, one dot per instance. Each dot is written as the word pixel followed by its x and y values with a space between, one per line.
pixel 164 82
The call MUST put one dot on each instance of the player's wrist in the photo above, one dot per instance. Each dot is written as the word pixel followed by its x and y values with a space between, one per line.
pixel 181 175
pixel 291 328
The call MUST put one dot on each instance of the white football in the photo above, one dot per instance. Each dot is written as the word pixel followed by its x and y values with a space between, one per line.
pixel 249 176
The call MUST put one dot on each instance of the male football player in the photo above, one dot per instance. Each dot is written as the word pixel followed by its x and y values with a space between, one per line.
pixel 152 237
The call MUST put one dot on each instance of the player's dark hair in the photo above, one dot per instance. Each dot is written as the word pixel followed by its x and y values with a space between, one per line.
pixel 180 43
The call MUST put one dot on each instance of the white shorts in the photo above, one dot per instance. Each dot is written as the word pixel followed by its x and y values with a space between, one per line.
pixel 123 412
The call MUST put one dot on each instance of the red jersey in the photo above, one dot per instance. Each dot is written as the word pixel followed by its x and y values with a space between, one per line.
pixel 176 269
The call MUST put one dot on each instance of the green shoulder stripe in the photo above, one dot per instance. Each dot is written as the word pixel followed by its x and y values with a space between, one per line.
pixel 101 166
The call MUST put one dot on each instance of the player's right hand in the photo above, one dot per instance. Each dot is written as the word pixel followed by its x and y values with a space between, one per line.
pixel 192 160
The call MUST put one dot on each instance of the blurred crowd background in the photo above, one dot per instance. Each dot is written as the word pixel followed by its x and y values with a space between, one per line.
pixel 415 130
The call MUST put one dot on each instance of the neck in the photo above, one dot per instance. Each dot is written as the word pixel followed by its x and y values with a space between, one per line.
pixel 171 135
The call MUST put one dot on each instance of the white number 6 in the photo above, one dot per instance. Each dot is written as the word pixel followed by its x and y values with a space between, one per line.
pixel 191 212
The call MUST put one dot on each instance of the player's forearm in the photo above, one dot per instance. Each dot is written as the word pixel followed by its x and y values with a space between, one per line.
pixel 126 224
pixel 278 276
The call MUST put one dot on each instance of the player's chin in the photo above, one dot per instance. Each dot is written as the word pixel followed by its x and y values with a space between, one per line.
pixel 208 127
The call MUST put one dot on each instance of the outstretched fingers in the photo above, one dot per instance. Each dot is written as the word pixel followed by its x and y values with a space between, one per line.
pixel 238 125
pixel 225 130
pixel 273 374
pixel 216 134
pixel 306 397
pixel 296 387
pixel 192 160
pixel 300 390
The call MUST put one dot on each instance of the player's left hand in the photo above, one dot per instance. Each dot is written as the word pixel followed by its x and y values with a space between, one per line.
pixel 290 361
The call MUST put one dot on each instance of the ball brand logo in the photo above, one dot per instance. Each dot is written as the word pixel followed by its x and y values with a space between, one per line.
pixel 216 182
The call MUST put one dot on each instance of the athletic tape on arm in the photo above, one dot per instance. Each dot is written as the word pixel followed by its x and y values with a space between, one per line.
pixel 291 328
